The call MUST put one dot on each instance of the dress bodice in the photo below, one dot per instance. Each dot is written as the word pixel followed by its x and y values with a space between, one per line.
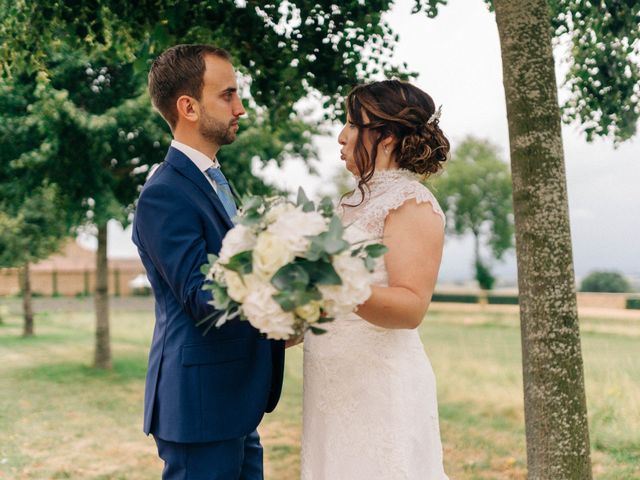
pixel 387 190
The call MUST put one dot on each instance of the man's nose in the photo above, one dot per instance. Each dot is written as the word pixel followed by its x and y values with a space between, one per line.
pixel 238 109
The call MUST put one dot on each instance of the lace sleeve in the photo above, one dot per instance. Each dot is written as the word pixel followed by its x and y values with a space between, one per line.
pixel 373 216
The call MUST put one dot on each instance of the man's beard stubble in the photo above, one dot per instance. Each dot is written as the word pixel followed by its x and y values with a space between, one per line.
pixel 216 131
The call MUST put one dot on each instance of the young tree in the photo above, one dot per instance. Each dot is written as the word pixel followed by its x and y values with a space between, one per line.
pixel 31 227
pixel 555 403
pixel 475 192
pixel 30 231
pixel 604 81
pixel 95 59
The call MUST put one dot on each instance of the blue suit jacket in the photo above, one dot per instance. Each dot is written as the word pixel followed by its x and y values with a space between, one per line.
pixel 199 388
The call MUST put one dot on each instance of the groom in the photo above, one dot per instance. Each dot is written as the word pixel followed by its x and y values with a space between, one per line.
pixel 204 395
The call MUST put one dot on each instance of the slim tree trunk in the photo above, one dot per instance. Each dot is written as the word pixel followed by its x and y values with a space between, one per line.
pixel 27 303
pixel 555 406
pixel 102 357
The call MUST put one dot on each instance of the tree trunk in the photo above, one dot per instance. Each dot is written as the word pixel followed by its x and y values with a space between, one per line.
pixel 555 406
pixel 27 303
pixel 102 357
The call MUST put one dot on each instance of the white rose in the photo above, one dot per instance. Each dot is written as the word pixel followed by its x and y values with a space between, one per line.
pixel 239 239
pixel 309 312
pixel 265 314
pixel 238 286
pixel 269 254
pixel 342 299
pixel 278 211
pixel 294 226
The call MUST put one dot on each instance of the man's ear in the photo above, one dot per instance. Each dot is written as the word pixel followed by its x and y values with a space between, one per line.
pixel 188 108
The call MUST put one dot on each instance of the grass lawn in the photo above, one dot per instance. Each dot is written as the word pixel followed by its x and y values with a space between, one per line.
pixel 61 419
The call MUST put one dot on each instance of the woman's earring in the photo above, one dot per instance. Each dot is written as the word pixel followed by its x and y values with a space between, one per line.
pixel 386 150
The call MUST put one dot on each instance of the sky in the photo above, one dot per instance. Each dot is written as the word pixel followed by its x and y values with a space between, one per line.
pixel 457 56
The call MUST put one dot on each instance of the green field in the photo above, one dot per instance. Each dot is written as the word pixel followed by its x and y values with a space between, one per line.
pixel 61 419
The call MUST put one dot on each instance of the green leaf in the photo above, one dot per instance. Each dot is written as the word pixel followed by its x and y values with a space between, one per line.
pixel 316 330
pixel 221 299
pixel 330 242
pixel 376 250
pixel 320 272
pixel 290 300
pixel 325 207
pixel 241 263
pixel 291 276
pixel 370 263
pixel 304 202
pixel 325 319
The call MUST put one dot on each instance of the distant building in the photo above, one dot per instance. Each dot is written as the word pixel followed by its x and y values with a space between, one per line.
pixel 72 272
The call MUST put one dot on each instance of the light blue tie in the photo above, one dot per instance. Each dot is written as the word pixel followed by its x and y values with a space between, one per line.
pixel 224 191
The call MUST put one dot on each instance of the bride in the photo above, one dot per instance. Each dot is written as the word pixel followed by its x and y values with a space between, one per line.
pixel 370 410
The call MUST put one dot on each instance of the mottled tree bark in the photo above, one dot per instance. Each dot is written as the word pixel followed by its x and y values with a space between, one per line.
pixel 27 303
pixel 555 406
pixel 102 358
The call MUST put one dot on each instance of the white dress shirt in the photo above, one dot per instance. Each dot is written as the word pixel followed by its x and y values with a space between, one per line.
pixel 199 159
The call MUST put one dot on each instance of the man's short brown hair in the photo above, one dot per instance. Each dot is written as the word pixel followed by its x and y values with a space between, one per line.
pixel 178 71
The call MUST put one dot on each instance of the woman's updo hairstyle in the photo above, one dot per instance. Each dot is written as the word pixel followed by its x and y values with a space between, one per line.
pixel 397 108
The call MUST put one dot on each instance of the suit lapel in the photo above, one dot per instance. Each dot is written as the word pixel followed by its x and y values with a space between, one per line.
pixel 186 167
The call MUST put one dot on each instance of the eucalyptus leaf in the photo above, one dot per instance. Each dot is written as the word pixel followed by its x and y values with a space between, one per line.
pixel 291 276
pixel 325 320
pixel 320 272
pixel 241 263
pixel 325 207
pixel 370 263
pixel 290 300
pixel 376 250
pixel 316 330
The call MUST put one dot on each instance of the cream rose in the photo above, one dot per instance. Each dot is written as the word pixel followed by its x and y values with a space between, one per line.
pixel 269 254
pixel 309 312
pixel 278 211
pixel 295 225
pixel 239 239
pixel 265 314
pixel 340 300
pixel 238 286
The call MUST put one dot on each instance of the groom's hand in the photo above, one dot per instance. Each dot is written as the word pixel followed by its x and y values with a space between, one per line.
pixel 293 341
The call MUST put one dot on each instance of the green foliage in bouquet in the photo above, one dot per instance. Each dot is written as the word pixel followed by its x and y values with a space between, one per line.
pixel 297 285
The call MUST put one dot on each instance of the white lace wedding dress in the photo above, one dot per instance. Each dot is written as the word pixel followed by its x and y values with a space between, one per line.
pixel 370 410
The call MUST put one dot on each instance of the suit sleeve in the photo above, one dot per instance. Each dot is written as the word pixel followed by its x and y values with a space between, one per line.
pixel 171 233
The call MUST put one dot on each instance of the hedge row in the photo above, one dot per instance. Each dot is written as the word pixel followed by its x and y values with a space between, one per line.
pixel 454 298
pixel 633 303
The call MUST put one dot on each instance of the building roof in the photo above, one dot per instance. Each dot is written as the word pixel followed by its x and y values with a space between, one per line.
pixel 74 257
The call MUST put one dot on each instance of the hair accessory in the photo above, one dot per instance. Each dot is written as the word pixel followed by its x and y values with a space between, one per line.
pixel 435 116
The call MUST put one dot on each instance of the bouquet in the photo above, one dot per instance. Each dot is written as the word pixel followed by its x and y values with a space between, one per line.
pixel 288 267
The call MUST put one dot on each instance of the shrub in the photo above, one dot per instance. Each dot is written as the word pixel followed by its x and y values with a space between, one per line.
pixel 454 298
pixel 633 303
pixel 612 282
pixel 502 299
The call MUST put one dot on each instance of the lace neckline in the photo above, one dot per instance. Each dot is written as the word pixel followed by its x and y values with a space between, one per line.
pixel 382 178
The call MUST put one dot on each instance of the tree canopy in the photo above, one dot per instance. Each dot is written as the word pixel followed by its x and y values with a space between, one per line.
pixel 287 48
pixel 602 51
pixel 475 192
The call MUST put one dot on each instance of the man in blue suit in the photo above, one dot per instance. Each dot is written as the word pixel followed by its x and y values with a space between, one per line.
pixel 204 395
